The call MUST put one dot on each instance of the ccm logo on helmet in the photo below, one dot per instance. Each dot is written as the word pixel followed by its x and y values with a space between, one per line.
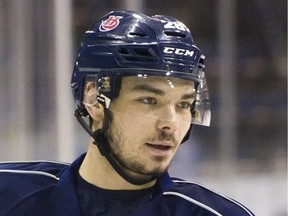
pixel 178 51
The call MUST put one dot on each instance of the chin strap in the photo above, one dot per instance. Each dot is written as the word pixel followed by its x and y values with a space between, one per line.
pixel 101 142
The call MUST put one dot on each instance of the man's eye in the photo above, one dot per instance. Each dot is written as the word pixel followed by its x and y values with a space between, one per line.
pixel 148 100
pixel 184 105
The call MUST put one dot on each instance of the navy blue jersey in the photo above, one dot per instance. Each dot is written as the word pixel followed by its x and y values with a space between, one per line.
pixel 49 189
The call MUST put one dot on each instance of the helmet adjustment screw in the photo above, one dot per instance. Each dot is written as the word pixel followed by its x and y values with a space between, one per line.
pixel 104 84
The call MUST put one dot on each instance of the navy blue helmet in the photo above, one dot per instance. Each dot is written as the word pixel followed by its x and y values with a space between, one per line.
pixel 125 43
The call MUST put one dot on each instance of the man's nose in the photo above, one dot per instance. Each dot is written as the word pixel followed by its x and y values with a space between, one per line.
pixel 168 119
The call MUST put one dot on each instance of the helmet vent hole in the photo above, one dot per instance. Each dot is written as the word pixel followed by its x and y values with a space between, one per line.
pixel 142 52
pixel 137 34
pixel 137 54
pixel 123 51
pixel 175 34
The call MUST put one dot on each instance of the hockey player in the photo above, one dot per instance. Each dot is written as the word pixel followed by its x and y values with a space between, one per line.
pixel 139 87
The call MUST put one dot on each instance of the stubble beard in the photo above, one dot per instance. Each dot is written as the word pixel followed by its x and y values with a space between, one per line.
pixel 131 165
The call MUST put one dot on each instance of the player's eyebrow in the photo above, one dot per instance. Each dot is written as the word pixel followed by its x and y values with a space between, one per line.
pixel 189 96
pixel 148 88
pixel 156 91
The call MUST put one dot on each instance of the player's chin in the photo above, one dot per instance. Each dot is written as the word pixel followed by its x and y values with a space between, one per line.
pixel 160 164
pixel 158 170
pixel 151 168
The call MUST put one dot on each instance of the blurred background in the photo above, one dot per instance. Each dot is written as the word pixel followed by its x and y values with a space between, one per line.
pixel 242 155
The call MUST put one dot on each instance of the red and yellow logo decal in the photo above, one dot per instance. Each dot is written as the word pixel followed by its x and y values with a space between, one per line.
pixel 109 24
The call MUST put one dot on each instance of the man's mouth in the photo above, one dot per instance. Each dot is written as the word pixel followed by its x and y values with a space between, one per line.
pixel 162 150
pixel 160 147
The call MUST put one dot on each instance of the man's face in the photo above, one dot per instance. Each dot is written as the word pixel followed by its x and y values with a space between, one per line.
pixel 150 117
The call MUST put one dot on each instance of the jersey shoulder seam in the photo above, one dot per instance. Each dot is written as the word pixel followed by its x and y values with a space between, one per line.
pixel 26 171
pixel 35 161
pixel 29 172
pixel 185 197
pixel 213 191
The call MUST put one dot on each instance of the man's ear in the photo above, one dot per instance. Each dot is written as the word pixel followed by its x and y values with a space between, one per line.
pixel 93 107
